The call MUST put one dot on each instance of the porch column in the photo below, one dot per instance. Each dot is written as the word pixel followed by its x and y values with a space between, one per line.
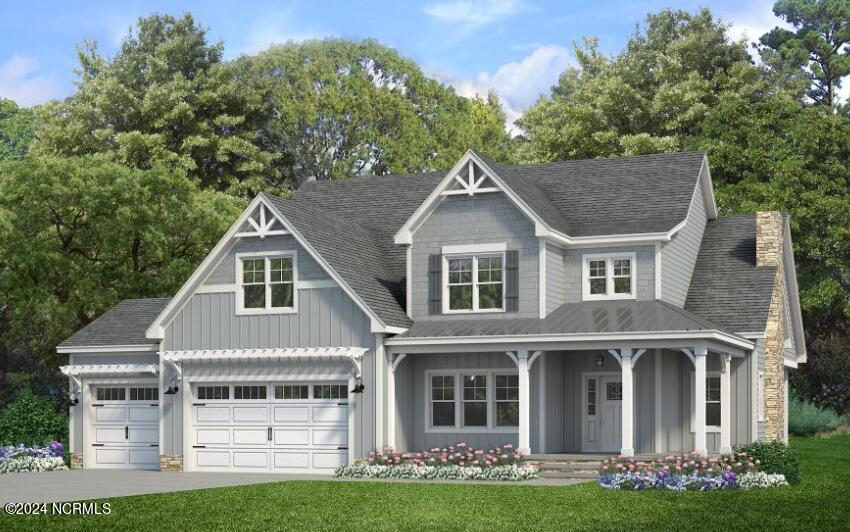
pixel 627 429
pixel 725 403
pixel 391 400
pixel 524 402
pixel 700 354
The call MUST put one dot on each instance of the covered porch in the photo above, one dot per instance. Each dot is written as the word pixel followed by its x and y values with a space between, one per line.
pixel 632 394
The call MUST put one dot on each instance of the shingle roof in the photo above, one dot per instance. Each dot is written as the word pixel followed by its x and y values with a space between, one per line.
pixel 123 324
pixel 574 318
pixel 727 287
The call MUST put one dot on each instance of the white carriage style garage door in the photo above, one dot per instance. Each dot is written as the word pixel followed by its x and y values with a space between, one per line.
pixel 279 427
pixel 124 427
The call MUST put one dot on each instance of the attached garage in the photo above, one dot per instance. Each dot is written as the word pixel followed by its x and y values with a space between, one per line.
pixel 124 427
pixel 288 427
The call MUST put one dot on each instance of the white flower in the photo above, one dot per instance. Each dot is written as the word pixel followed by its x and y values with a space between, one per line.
pixel 445 472
pixel 760 479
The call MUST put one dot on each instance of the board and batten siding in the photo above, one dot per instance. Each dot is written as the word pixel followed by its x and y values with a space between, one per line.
pixel 644 270
pixel 481 219
pixel 556 281
pixel 679 256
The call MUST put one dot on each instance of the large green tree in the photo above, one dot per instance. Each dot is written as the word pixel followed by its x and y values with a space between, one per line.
pixel 817 49
pixel 17 127
pixel 165 99
pixel 78 234
pixel 338 108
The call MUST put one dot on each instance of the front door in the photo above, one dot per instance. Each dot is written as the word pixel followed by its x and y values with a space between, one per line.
pixel 602 410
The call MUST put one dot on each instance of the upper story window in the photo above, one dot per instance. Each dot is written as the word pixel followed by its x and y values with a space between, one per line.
pixel 609 276
pixel 266 283
pixel 474 282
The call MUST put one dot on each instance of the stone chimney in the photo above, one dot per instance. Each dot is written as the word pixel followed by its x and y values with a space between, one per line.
pixel 770 232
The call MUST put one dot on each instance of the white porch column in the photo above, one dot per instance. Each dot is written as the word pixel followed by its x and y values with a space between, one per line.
pixel 700 354
pixel 524 402
pixel 391 399
pixel 627 415
pixel 725 403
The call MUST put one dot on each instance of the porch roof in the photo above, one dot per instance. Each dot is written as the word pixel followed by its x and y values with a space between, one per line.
pixel 588 317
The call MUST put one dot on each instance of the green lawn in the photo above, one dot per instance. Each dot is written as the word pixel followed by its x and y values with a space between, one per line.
pixel 820 502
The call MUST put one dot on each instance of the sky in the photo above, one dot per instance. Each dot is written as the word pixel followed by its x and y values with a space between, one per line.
pixel 515 47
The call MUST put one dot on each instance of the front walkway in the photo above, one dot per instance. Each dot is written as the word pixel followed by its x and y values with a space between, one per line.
pixel 77 485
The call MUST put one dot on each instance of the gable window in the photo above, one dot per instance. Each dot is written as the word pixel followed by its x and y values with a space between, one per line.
pixel 474 282
pixel 609 276
pixel 267 283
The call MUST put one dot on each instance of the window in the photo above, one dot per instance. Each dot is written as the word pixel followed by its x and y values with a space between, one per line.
pixel 507 400
pixel 712 401
pixel 442 401
pixel 609 276
pixel 144 394
pixel 330 391
pixel 614 391
pixel 111 394
pixel 474 400
pixel 213 392
pixel 292 391
pixel 267 283
pixel 247 393
pixel 474 283
pixel 591 397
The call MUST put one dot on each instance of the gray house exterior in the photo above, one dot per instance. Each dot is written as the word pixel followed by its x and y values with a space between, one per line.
pixel 586 306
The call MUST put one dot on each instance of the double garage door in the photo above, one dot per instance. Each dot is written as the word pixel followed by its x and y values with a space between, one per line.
pixel 124 428
pixel 279 427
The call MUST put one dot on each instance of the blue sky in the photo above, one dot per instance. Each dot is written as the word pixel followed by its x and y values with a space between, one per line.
pixel 517 47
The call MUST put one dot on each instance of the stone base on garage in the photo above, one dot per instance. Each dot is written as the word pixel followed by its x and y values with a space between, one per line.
pixel 76 460
pixel 171 463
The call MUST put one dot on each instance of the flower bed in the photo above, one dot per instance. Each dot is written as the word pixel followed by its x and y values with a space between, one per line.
pixel 20 459
pixel 456 462
pixel 687 472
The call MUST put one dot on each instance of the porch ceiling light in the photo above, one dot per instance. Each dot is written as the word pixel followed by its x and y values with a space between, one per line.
pixel 600 361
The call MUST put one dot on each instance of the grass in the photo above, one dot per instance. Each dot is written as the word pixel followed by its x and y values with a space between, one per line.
pixel 820 502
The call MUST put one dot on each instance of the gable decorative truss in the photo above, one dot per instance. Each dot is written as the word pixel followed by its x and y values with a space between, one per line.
pixel 471 175
pixel 260 219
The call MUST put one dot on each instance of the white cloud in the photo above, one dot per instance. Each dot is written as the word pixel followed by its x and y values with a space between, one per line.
pixel 519 83
pixel 21 81
pixel 279 28
pixel 473 14
pixel 754 21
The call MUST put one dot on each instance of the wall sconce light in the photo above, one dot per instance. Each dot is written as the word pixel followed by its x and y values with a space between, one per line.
pixel 74 398
pixel 358 386
pixel 172 387
pixel 600 361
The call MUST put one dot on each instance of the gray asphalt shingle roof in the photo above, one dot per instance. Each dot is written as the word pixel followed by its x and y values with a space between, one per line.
pixel 727 287
pixel 123 324
pixel 574 318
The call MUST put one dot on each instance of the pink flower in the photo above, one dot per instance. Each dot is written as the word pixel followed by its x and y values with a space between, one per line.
pixel 461 444
pixel 604 468
pixel 508 446
pixel 443 460
pixel 488 462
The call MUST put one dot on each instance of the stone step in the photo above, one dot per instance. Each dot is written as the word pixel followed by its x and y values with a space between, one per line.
pixel 587 475
pixel 570 466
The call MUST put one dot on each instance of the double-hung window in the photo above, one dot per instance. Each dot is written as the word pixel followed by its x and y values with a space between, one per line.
pixel 442 401
pixel 507 400
pixel 610 276
pixel 713 401
pixel 474 283
pixel 266 283
pixel 475 400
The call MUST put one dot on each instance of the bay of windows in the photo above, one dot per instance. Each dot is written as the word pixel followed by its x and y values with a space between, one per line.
pixel 473 401
pixel 475 283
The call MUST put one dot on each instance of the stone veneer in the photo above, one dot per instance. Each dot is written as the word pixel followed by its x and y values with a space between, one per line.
pixel 76 460
pixel 770 231
pixel 171 462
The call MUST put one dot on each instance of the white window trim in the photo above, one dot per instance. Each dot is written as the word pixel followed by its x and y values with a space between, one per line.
pixel 609 274
pixel 458 375
pixel 240 293
pixel 485 251
pixel 708 374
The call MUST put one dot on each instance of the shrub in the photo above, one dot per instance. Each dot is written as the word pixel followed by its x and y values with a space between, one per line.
pixel 20 458
pixel 459 454
pixel 805 419
pixel 410 470
pixel 31 420
pixel 760 479
pixel 774 457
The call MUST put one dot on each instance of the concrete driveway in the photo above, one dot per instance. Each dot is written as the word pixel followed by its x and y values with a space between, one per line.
pixel 58 486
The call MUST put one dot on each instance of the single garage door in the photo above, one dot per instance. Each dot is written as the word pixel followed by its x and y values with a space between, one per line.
pixel 124 427
pixel 278 427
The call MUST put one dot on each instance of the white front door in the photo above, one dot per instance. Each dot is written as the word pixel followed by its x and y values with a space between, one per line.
pixel 602 410
pixel 124 427
pixel 278 427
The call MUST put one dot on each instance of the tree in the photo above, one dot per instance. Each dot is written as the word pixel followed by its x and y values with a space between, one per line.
pixel 165 99
pixel 78 234
pixel 646 98
pixel 817 48
pixel 17 127
pixel 338 108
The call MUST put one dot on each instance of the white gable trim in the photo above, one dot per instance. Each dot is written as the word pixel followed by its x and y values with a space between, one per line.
pixel 793 294
pixel 405 234
pixel 707 190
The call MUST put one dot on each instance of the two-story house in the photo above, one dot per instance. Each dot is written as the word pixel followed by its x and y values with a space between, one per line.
pixel 582 306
